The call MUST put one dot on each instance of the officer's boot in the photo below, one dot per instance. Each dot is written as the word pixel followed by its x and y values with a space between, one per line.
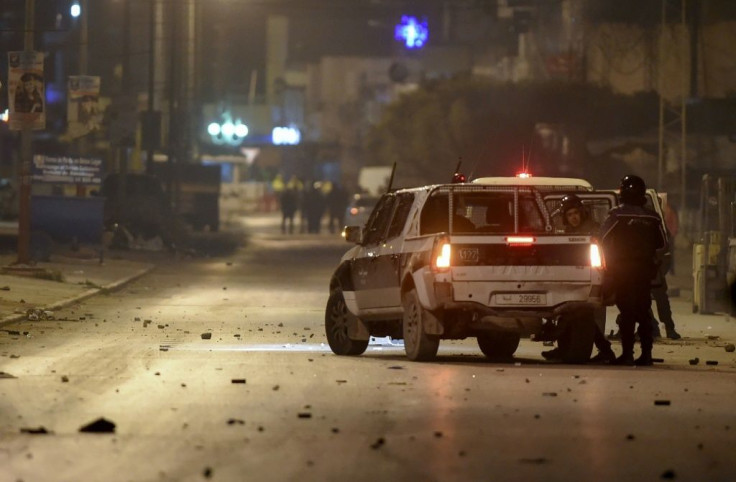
pixel 627 346
pixel 672 334
pixel 645 360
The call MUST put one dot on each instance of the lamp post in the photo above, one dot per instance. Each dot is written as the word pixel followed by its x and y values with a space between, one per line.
pixel 24 191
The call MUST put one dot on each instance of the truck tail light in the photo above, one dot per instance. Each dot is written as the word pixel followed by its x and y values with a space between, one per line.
pixel 441 256
pixel 596 258
pixel 520 240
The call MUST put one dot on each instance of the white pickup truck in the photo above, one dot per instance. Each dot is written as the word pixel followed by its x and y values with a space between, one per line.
pixel 487 259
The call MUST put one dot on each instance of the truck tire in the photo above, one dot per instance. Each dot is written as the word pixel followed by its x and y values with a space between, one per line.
pixel 337 318
pixel 418 345
pixel 576 340
pixel 498 345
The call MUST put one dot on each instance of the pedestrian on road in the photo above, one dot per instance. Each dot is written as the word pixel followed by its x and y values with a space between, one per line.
pixel 289 202
pixel 661 298
pixel 337 202
pixel 632 238
pixel 314 205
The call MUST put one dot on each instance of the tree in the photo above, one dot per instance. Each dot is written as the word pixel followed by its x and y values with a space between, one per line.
pixel 489 125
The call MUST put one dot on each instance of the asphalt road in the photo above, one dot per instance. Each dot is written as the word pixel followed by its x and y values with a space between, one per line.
pixel 218 369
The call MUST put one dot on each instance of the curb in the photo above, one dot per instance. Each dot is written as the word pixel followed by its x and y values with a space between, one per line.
pixel 115 285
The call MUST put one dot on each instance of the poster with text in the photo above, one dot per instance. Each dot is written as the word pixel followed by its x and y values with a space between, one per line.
pixel 26 92
pixel 83 107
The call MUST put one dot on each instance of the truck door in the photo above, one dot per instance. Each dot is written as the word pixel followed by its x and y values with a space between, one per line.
pixel 365 272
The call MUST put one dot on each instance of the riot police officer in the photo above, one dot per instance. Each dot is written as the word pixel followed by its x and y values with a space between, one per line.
pixel 577 220
pixel 632 237
pixel 575 216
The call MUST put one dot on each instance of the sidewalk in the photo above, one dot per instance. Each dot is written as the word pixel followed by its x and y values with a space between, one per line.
pixel 62 281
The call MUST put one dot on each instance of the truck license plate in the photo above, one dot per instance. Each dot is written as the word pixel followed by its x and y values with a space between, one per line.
pixel 521 299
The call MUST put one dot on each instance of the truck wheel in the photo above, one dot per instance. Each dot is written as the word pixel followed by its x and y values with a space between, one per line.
pixel 337 318
pixel 576 340
pixel 498 345
pixel 419 346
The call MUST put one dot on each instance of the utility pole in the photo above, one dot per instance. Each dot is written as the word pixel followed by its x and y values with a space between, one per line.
pixel 677 113
pixel 151 80
pixel 26 154
pixel 83 46
pixel 173 134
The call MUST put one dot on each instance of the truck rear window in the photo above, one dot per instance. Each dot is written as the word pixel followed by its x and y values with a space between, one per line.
pixel 482 212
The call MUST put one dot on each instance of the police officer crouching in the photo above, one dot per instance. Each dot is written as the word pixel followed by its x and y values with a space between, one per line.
pixel 577 220
pixel 631 237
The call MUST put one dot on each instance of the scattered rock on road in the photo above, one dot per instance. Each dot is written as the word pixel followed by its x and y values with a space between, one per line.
pixel 730 348
pixel 101 425
pixel 206 336
pixel 40 430
pixel 378 443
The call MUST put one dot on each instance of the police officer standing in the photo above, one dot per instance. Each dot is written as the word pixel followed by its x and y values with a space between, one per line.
pixel 632 236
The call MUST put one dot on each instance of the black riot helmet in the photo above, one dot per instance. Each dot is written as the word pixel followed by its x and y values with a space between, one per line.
pixel 571 201
pixel 633 190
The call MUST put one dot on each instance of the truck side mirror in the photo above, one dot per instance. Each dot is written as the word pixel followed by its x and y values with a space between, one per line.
pixel 353 234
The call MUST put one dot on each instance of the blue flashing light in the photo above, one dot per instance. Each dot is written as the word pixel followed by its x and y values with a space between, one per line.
pixel 412 32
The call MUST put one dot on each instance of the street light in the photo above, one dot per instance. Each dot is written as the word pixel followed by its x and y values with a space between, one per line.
pixel 75 10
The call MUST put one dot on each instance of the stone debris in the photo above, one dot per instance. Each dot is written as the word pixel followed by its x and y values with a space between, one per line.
pixel 101 425
pixel 235 421
pixel 40 430
pixel 304 415
pixel 64 379
pixel 37 314
pixel 207 473
pixel 668 474
pixel 535 461
pixel 711 362
pixel 694 361
pixel 730 348
pixel 378 443
pixel 549 394
pixel 238 380
pixel 657 360
pixel 206 336
pixel 662 402
pixel 630 436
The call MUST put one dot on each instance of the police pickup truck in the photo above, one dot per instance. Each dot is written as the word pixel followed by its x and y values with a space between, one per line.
pixel 488 259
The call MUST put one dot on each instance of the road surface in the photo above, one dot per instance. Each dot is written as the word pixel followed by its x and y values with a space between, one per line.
pixel 218 369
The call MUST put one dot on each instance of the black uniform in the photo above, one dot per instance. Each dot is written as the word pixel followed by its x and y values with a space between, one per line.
pixel 631 237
